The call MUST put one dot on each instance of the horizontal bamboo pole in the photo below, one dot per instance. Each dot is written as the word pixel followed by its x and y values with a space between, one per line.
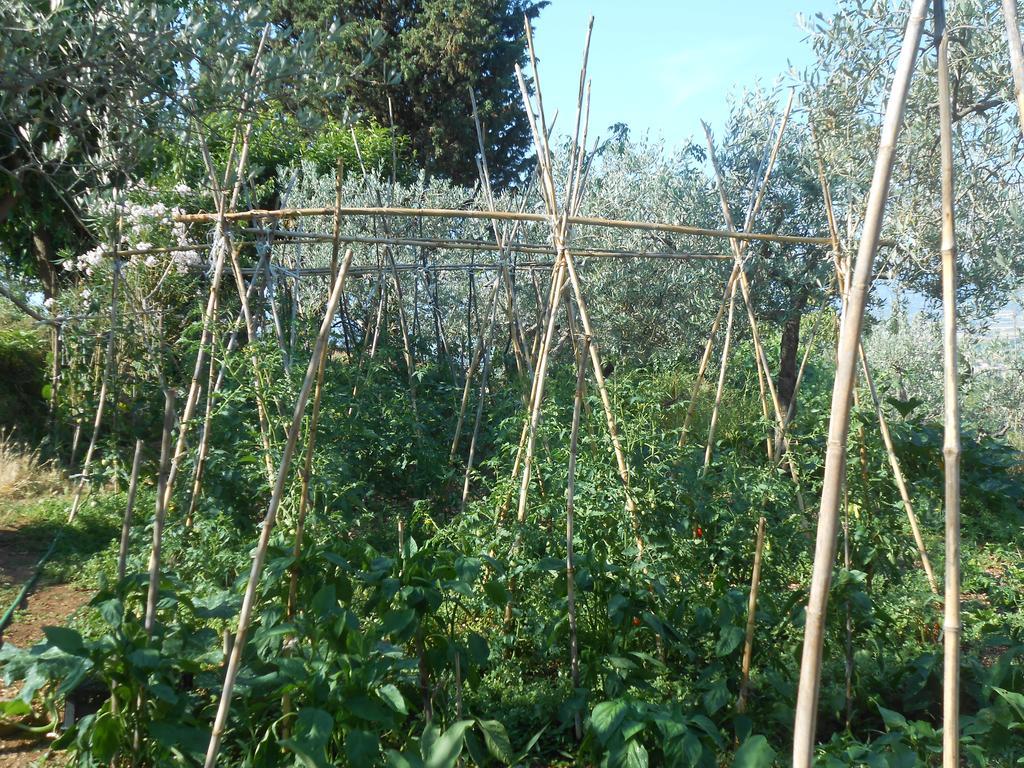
pixel 288 238
pixel 285 236
pixel 451 213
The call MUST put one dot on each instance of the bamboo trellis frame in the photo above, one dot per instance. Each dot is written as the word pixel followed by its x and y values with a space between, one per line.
pixel 564 276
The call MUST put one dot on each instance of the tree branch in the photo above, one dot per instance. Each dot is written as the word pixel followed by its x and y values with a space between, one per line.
pixel 20 304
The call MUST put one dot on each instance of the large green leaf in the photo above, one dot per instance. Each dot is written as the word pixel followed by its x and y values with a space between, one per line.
pixel 182 738
pixel 729 640
pixel 755 752
pixel 393 697
pixel 894 721
pixel 362 748
pixel 630 754
pixel 497 740
pixel 606 718
pixel 444 751
pixel 310 735
pixel 67 640
pixel 478 650
pixel 106 738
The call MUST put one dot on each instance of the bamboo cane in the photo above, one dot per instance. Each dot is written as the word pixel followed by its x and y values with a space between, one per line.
pixel 158 519
pixel 403 325
pixel 55 375
pixel 108 367
pixel 570 522
pixel 479 418
pixel 897 472
pixel 839 421
pixel 748 641
pixel 245 616
pixel 474 364
pixel 779 445
pixel 76 435
pixel 705 359
pixel 243 294
pixel 898 478
pixel 216 385
pixel 204 437
pixel 307 467
pixel 540 377
pixel 1016 55
pixel 721 381
pixel 848 660
pixel 126 526
pixel 205 339
pixel 951 410
pixel 307 472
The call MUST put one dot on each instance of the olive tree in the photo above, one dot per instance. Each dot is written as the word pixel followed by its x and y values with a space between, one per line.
pixel 97 95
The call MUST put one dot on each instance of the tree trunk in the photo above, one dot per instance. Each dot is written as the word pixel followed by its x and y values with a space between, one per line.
pixel 46 269
pixel 789 348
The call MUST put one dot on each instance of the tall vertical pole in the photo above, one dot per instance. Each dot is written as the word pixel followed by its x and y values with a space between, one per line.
pixel 951 422
pixel 805 716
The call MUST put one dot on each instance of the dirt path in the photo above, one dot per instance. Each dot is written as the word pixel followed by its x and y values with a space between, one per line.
pixel 48 604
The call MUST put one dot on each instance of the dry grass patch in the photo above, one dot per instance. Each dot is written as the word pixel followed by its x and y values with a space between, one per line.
pixel 23 474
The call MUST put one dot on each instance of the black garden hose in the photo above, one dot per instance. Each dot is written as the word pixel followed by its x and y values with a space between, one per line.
pixel 8 616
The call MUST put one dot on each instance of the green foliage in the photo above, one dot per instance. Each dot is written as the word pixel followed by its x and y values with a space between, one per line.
pixel 23 377
pixel 465 615
pixel 68 131
pixel 426 57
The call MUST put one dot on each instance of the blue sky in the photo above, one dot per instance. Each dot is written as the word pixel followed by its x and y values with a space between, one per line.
pixel 662 66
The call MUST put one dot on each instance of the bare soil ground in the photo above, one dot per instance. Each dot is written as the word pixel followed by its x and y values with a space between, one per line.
pixel 48 604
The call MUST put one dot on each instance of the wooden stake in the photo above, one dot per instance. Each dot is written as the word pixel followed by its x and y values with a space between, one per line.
pixel 483 341
pixel 764 369
pixel 108 367
pixel 839 421
pixel 259 378
pixel 55 371
pixel 126 526
pixel 841 272
pixel 709 449
pixel 570 522
pixel 897 473
pixel 752 211
pixel 205 340
pixel 458 213
pixel 479 415
pixel 706 357
pixel 158 519
pixel 748 642
pixel 559 228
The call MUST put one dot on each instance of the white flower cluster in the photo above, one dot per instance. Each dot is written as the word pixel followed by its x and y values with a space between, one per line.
pixel 140 222
pixel 86 262
pixel 186 260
